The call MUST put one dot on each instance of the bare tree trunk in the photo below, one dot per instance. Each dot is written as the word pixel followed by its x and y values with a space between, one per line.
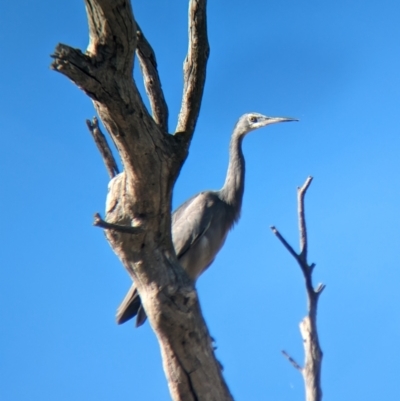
pixel 311 371
pixel 138 218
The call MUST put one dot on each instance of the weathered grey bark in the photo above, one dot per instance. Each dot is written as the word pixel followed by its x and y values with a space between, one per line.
pixel 138 220
pixel 311 371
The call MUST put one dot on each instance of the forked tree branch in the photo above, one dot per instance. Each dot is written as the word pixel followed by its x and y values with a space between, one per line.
pixel 311 371
pixel 104 72
pixel 142 192
pixel 194 69
pixel 103 147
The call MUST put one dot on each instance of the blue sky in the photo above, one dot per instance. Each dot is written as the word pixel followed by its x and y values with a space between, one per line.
pixel 333 65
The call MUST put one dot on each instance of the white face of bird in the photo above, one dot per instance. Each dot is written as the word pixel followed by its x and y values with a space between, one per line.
pixel 256 120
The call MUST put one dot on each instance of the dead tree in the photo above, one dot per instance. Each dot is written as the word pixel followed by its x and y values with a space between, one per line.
pixel 311 371
pixel 138 219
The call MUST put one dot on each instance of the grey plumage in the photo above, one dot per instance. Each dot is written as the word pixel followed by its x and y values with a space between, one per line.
pixel 201 224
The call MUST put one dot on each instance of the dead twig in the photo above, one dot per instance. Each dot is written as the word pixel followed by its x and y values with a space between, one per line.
pixel 99 222
pixel 103 147
pixel 292 361
pixel 311 371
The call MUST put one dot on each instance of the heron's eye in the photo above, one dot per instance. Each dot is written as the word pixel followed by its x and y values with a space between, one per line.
pixel 253 119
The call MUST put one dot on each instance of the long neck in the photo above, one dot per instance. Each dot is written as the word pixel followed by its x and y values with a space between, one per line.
pixel 232 191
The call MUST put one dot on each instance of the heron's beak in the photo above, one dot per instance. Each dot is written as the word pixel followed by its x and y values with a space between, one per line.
pixel 274 120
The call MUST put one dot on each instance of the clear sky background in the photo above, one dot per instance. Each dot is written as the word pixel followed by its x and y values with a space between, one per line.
pixel 333 65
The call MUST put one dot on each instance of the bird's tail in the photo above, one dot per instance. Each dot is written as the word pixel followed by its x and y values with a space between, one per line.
pixel 130 307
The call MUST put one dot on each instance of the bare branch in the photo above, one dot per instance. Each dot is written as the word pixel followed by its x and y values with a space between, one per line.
pixel 301 192
pixel 99 222
pixel 308 327
pixel 285 243
pixel 152 82
pixel 78 68
pixel 292 361
pixel 104 72
pixel 112 33
pixel 103 147
pixel 194 68
pixel 112 37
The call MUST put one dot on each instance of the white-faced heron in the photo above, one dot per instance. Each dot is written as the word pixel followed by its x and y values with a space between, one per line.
pixel 201 224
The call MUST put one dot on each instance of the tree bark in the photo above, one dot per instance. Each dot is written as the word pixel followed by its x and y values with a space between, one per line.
pixel 138 207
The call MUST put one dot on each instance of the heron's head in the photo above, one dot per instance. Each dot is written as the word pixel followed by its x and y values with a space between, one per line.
pixel 251 121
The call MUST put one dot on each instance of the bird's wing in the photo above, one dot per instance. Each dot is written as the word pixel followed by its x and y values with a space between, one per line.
pixel 191 220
